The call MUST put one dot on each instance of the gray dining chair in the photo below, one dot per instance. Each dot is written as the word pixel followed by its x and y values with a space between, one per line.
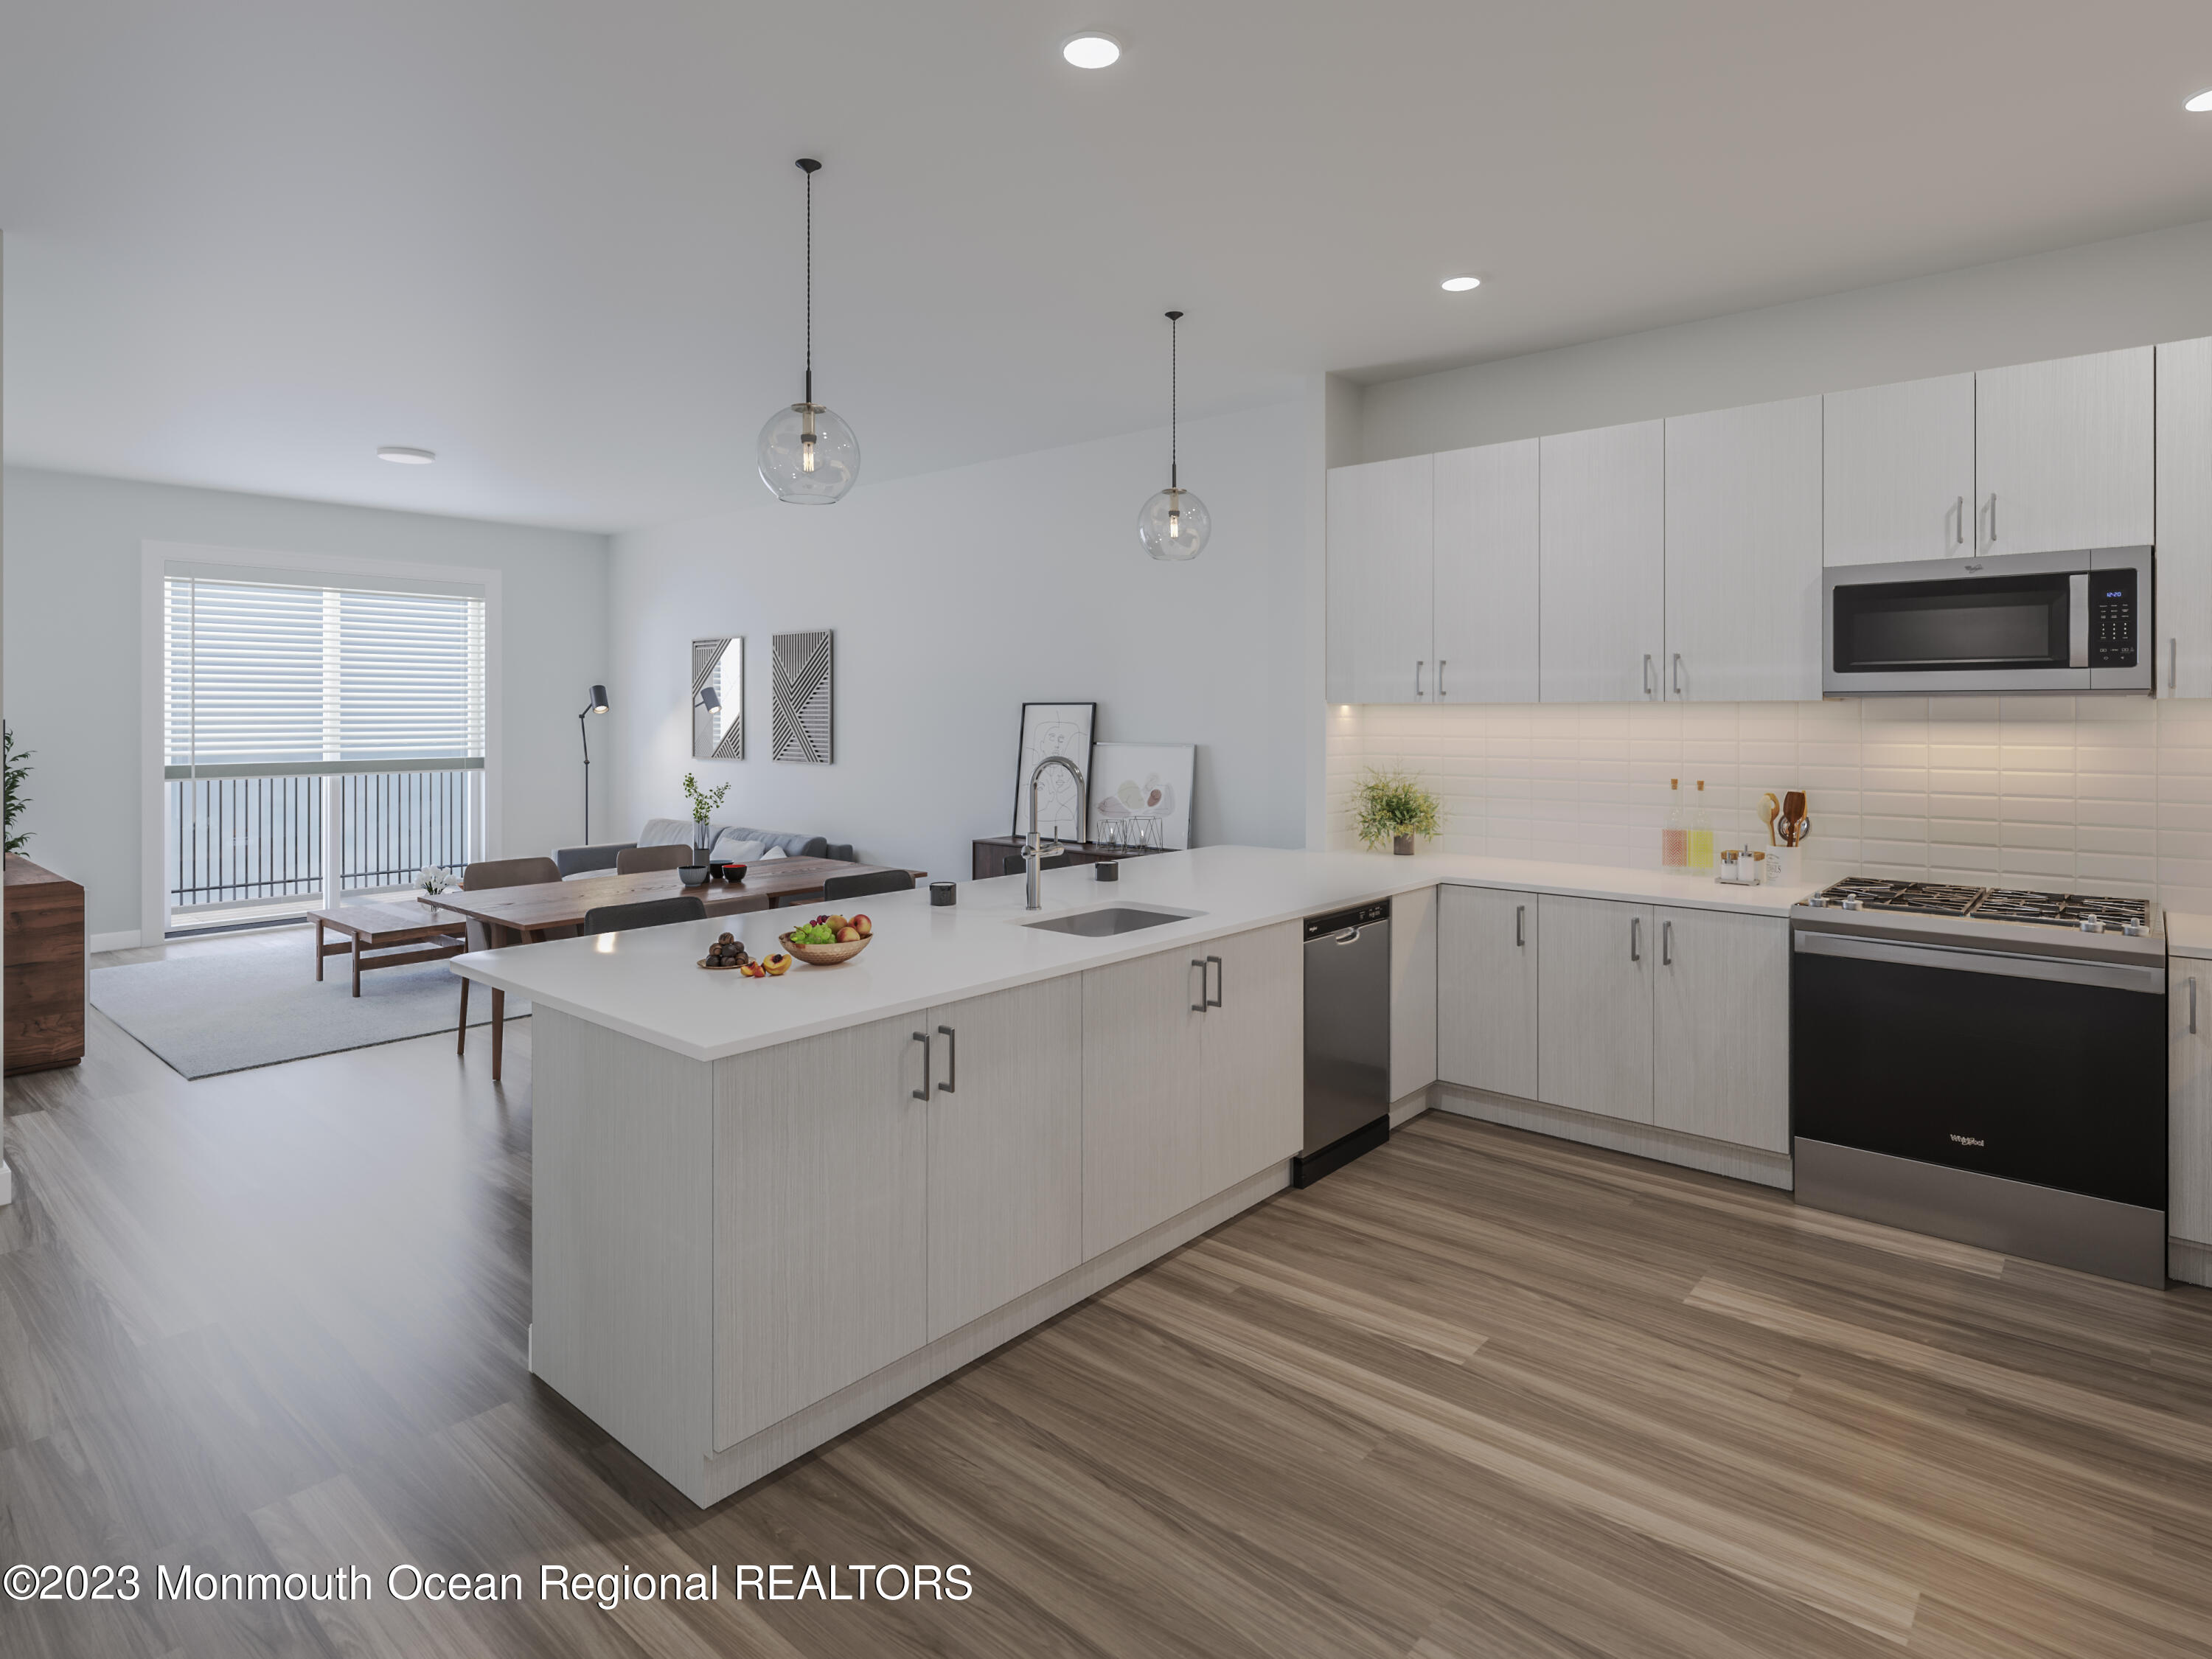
pixel 643 860
pixel 645 913
pixel 481 876
pixel 869 881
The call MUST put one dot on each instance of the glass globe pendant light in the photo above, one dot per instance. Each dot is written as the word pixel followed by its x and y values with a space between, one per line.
pixel 1175 523
pixel 808 456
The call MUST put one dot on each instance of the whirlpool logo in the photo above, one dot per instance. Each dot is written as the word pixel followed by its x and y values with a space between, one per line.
pixel 1969 1141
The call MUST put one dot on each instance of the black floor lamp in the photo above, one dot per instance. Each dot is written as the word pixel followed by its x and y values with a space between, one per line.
pixel 599 706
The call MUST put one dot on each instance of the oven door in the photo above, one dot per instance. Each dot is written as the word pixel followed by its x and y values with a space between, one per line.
pixel 2038 1069
pixel 2044 622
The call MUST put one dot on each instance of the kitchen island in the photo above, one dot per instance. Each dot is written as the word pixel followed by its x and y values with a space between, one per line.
pixel 763 1210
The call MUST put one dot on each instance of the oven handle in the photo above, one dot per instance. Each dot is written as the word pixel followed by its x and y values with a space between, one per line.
pixel 2067 970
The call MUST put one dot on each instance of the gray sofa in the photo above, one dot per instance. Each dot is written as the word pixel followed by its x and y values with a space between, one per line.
pixel 574 861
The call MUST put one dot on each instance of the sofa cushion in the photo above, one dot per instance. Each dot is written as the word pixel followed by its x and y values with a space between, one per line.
pixel 732 848
pixel 798 847
pixel 665 832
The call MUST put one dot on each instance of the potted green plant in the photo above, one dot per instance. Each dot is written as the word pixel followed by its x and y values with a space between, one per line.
pixel 703 803
pixel 14 767
pixel 1395 808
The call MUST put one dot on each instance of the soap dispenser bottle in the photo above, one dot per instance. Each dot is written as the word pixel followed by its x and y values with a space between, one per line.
pixel 1674 837
pixel 1701 833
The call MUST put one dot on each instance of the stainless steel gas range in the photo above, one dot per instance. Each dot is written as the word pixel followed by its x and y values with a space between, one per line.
pixel 1986 1065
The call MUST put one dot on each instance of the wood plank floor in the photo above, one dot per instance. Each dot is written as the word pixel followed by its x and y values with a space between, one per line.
pixel 1480 1393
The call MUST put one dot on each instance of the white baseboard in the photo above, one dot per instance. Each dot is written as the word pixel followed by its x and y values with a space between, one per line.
pixel 1719 1157
pixel 7 1182
pixel 2189 1263
pixel 1405 1111
pixel 123 941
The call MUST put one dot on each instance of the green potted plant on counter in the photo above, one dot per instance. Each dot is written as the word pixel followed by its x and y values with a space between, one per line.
pixel 1395 808
pixel 703 803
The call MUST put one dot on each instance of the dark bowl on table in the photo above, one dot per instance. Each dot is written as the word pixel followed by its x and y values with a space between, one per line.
pixel 693 875
pixel 731 871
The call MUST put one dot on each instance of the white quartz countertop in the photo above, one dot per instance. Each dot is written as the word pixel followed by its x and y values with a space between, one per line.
pixel 2187 935
pixel 646 983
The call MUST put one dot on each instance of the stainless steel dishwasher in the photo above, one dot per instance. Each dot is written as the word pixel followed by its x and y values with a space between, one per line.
pixel 1347 1038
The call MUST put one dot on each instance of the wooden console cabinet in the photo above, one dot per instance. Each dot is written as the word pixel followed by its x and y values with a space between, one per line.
pixel 43 952
pixel 991 852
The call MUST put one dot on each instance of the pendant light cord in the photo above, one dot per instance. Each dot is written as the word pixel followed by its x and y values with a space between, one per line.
pixel 810 167
pixel 1175 321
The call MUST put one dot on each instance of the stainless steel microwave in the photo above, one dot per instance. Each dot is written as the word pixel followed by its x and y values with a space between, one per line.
pixel 2022 621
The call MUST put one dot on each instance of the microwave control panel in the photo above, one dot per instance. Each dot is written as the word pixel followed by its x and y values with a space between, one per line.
pixel 2112 619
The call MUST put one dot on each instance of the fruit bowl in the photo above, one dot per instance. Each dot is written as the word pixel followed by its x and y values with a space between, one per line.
pixel 825 955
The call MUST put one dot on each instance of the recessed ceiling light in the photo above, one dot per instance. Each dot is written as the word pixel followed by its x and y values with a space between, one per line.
pixel 401 455
pixel 2201 103
pixel 1091 51
pixel 1460 284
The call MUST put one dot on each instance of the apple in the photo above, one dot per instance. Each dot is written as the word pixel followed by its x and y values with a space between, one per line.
pixel 863 927
pixel 848 936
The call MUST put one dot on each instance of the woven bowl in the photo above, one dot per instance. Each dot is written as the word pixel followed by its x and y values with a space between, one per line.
pixel 825 955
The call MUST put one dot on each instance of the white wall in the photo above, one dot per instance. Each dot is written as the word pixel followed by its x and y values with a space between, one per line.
pixel 2132 290
pixel 957 596
pixel 73 678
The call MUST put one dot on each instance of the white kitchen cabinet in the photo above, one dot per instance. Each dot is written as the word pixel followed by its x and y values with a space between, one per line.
pixel 1486 975
pixel 1897 471
pixel 1143 1139
pixel 1006 1147
pixel 821 1219
pixel 2189 1114
pixel 2184 610
pixel 1743 554
pixel 1413 991
pixel 2063 454
pixel 1382 521
pixel 1721 1027
pixel 1487 556
pixel 1251 1084
pixel 1594 1000
pixel 1602 608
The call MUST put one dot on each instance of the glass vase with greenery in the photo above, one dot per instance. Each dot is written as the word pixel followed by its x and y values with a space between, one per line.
pixel 703 801
pixel 13 766
pixel 1395 808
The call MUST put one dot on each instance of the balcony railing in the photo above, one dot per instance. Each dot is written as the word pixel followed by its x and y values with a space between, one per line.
pixel 260 839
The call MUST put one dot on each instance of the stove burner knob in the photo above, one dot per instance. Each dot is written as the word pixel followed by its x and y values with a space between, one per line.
pixel 1854 903
pixel 2093 924
pixel 2133 929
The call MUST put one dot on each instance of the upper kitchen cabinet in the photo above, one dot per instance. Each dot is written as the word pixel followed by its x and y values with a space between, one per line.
pixel 1602 608
pixel 1486 516
pixel 1899 472
pixel 1381 526
pixel 1743 554
pixel 2183 610
pixel 2064 454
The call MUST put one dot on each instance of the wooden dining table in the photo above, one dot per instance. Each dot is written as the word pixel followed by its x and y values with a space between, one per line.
pixel 547 910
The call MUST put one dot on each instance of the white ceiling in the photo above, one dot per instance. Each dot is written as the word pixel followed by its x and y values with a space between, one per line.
pixel 558 241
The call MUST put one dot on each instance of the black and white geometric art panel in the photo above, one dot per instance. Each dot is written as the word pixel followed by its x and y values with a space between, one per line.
pixel 805 696
pixel 718 730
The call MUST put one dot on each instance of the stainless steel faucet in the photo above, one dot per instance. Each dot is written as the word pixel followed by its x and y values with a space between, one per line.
pixel 1033 850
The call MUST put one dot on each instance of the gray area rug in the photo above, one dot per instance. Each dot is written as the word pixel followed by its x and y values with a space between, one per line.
pixel 210 1012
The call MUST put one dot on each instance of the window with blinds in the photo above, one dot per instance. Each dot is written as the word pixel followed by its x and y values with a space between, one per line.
pixel 271 679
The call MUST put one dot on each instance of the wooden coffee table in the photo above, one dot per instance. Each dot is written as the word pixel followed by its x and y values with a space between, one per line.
pixel 387 930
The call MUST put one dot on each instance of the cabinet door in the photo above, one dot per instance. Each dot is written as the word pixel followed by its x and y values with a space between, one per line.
pixel 1006 1147
pixel 1897 471
pixel 2183 610
pixel 1485 574
pixel 1143 1140
pixel 821 1239
pixel 1251 1094
pixel 1594 1005
pixel 2063 454
pixel 1721 1028
pixel 1413 991
pixel 1743 554
pixel 1487 956
pixel 2189 1077
pixel 1381 550
pixel 1602 562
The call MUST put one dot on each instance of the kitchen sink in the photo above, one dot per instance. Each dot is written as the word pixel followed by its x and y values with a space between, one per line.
pixel 1109 920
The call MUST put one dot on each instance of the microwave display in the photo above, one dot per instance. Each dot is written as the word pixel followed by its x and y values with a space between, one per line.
pixel 2113 619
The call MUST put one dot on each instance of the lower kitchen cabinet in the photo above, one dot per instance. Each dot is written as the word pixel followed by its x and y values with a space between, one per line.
pixel 1251 1093
pixel 2188 1115
pixel 1594 1001
pixel 1721 1027
pixel 1006 1147
pixel 821 1219
pixel 1412 993
pixel 1487 974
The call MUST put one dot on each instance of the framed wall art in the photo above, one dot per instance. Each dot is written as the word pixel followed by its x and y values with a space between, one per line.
pixel 1140 793
pixel 1053 728
pixel 718 699
pixel 805 702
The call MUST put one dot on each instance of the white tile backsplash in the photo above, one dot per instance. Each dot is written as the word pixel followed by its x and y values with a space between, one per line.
pixel 2105 794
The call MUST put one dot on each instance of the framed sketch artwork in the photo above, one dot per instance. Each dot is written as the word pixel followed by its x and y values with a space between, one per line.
pixel 1053 728
pixel 1140 793
pixel 718 699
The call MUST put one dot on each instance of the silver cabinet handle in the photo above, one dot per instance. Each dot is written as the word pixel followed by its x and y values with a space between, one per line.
pixel 1678 673
pixel 2192 1005
pixel 1440 677
pixel 1992 510
pixel 951 1059
pixel 1199 1006
pixel 1519 926
pixel 1666 944
pixel 1417 666
pixel 1959 522
pixel 1220 983
pixel 922 1093
pixel 1647 673
pixel 1636 939
pixel 2172 662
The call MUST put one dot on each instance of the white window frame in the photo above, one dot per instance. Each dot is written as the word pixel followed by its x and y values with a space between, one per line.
pixel 154 560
